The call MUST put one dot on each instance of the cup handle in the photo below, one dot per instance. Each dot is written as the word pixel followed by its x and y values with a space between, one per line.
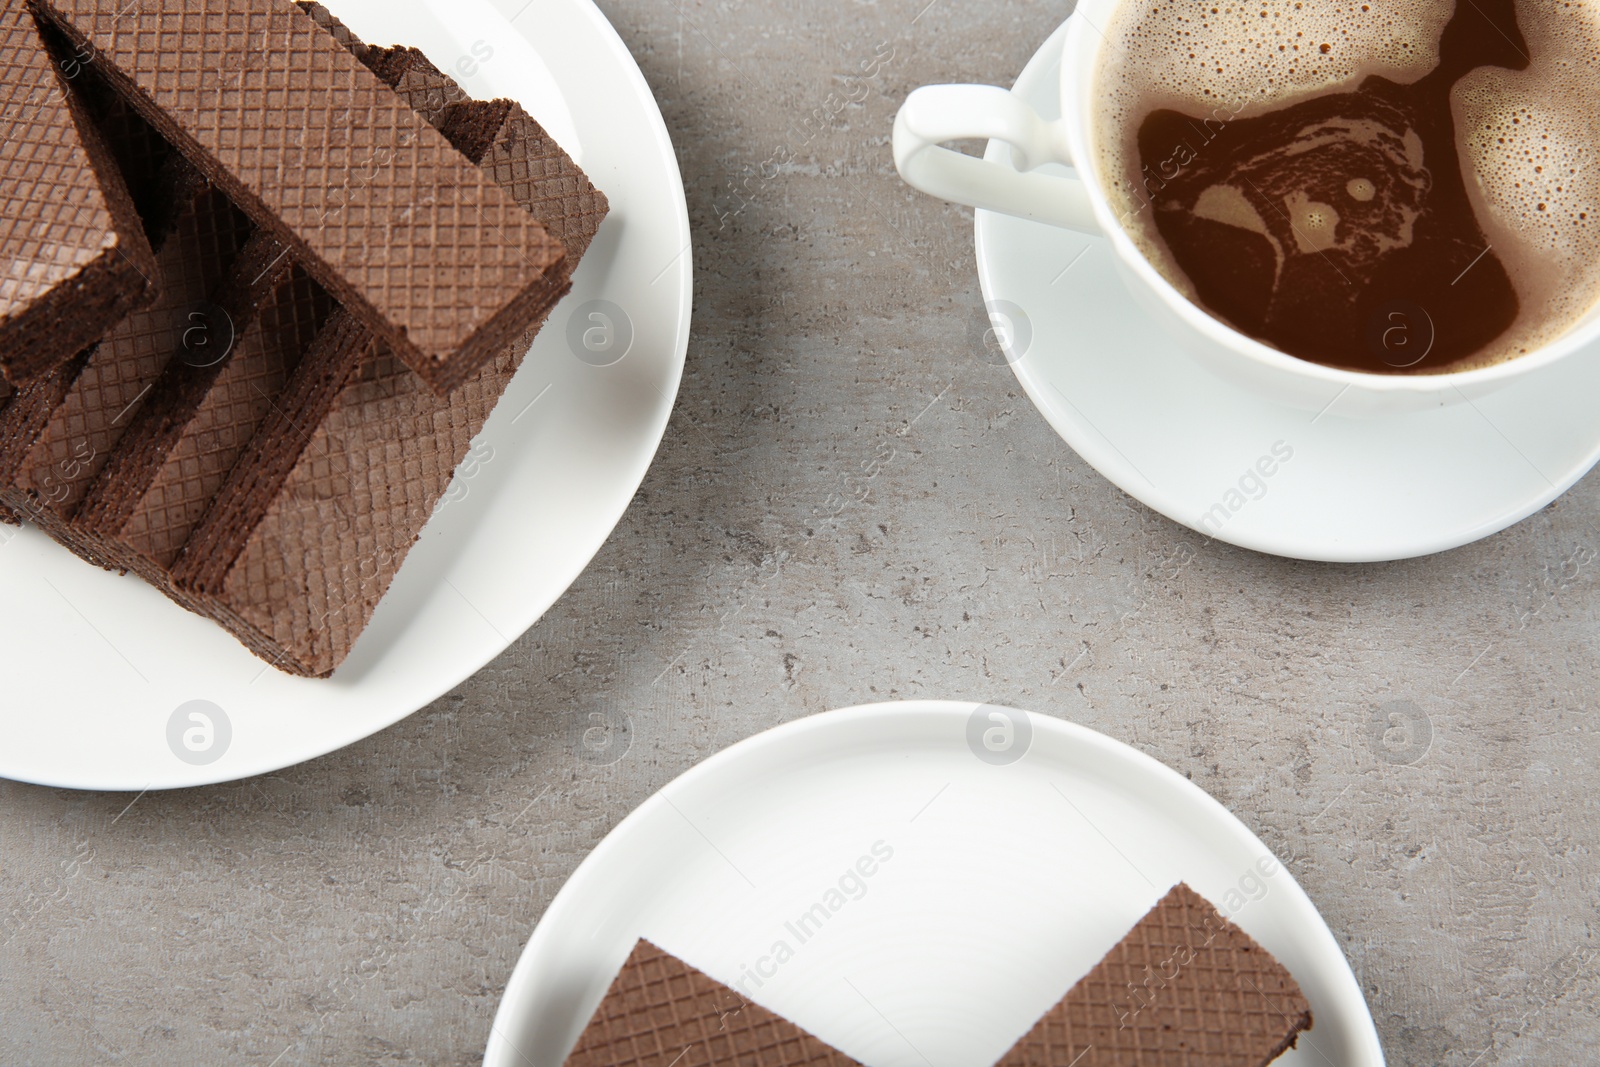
pixel 935 114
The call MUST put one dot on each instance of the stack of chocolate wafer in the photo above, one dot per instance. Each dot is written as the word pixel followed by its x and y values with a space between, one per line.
pixel 275 283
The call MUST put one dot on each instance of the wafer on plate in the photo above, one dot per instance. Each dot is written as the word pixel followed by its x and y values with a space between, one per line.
pixel 661 1011
pixel 1185 988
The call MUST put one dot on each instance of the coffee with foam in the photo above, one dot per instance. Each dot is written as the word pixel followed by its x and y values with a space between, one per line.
pixel 1390 185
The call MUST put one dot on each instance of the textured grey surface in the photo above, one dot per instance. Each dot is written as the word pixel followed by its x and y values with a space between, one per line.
pixel 851 505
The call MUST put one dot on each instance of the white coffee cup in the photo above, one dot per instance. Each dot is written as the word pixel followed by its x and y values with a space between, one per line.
pixel 937 114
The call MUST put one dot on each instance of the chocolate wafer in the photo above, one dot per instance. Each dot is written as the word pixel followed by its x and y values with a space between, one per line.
pixel 306 579
pixel 294 565
pixel 202 494
pixel 73 255
pixel 660 1011
pixel 239 504
pixel 228 446
pixel 431 255
pixel 1184 988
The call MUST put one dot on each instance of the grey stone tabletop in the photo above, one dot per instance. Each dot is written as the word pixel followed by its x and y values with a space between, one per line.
pixel 852 505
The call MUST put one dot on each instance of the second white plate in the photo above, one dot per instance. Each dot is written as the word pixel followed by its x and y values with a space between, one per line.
pixel 999 874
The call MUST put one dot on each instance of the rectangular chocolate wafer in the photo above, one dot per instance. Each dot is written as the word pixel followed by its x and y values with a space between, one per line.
pixel 73 255
pixel 294 563
pixel 661 1012
pixel 411 238
pixel 1184 988
pixel 219 440
pixel 240 502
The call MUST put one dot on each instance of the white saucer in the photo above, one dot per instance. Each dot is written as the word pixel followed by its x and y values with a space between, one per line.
pixel 1004 883
pixel 97 665
pixel 1120 391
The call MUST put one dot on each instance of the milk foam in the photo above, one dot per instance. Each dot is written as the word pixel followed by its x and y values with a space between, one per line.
pixel 1529 140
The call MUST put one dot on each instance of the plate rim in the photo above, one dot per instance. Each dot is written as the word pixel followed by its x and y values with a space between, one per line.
pixel 1104 458
pixel 515 1003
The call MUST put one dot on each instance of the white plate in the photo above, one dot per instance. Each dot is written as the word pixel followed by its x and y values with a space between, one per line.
pixel 96 665
pixel 1124 395
pixel 1006 883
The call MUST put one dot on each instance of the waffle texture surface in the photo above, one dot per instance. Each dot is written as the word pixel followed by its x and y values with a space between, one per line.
pixel 1184 988
pixel 660 1011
